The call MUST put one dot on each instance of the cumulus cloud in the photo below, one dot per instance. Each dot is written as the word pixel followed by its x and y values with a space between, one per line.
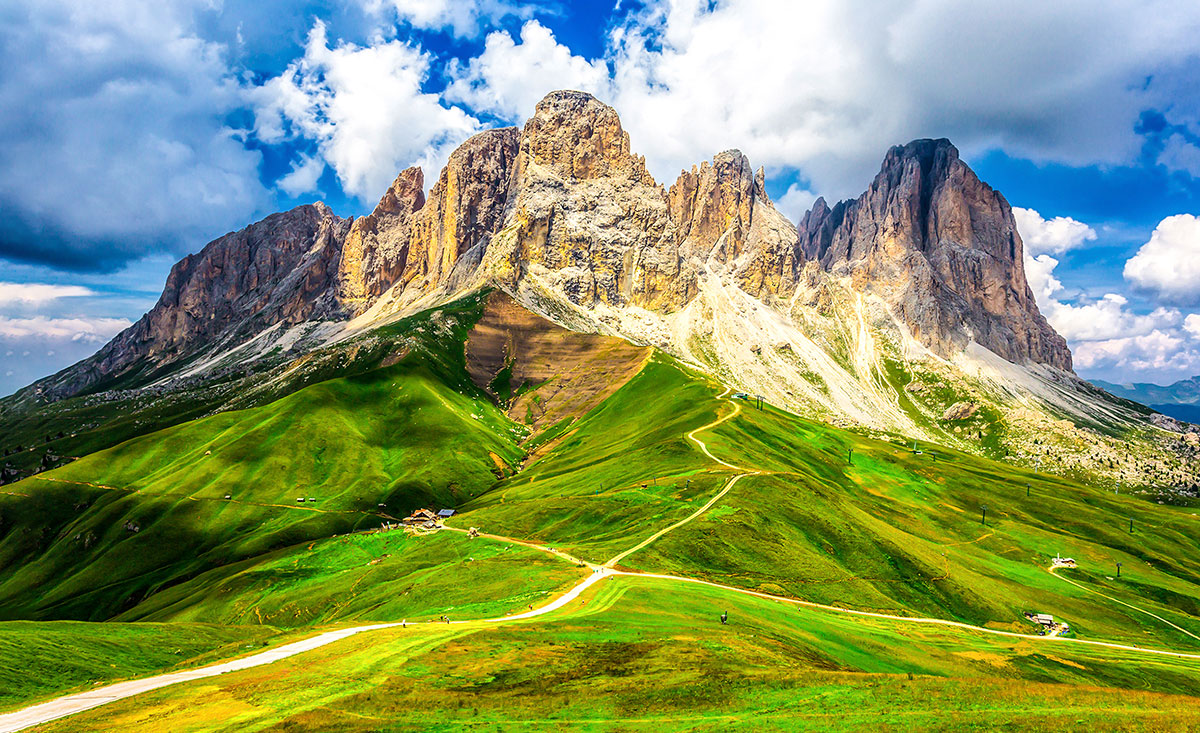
pixel 303 176
pixel 1054 236
pixel 1191 324
pixel 35 346
pixel 827 86
pixel 460 17
pixel 795 202
pixel 365 109
pixel 86 330
pixel 1169 264
pixel 37 294
pixel 509 78
pixel 1111 341
pixel 113 117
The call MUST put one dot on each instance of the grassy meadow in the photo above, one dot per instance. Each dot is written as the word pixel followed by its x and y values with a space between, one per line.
pixel 188 544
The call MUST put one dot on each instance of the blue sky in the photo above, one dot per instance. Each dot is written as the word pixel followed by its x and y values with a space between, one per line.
pixel 136 132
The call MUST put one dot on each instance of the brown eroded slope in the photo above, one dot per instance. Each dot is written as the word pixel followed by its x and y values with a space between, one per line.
pixel 541 372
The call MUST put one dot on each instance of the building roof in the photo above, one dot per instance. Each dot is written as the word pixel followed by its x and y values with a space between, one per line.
pixel 1044 618
pixel 446 513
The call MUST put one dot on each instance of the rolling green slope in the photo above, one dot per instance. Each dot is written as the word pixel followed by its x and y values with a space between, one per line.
pixel 637 654
pixel 894 531
pixel 365 578
pixel 98 536
pixel 666 475
pixel 45 659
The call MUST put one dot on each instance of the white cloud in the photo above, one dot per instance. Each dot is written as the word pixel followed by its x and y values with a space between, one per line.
pixel 1039 273
pixel 1054 236
pixel 1180 154
pixel 461 17
pixel 1191 324
pixel 826 86
pixel 509 78
pixel 86 330
pixel 36 294
pixel 365 109
pixel 303 177
pixel 1159 356
pixel 1110 341
pixel 795 202
pixel 1169 264
pixel 115 138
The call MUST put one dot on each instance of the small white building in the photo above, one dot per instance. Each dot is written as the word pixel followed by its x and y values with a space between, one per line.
pixel 1044 619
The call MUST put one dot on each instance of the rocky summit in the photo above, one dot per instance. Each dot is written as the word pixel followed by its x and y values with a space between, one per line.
pixel 881 312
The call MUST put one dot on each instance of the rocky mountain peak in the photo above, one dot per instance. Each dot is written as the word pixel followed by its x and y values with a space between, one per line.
pixel 580 137
pixel 465 207
pixel 278 270
pixel 376 248
pixel 941 248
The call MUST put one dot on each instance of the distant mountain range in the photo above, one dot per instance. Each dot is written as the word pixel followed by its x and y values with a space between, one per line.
pixel 1180 400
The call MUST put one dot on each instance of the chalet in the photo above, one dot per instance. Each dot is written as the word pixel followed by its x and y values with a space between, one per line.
pixel 1044 619
pixel 445 514
pixel 420 518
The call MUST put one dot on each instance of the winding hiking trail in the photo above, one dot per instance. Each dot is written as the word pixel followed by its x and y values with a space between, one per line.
pixel 67 705
pixel 737 409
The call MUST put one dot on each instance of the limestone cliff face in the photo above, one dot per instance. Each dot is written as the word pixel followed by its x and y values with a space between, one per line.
pixel 564 208
pixel 465 207
pixel 583 215
pixel 377 246
pixel 588 221
pixel 278 270
pixel 942 249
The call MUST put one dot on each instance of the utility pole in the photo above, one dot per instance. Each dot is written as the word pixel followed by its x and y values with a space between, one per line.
pixel 1026 490
pixel 1118 570
pixel 850 457
pixel 983 520
pixel 1131 525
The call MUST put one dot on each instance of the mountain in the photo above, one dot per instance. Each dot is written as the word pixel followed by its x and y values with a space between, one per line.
pixel 1180 400
pixel 559 348
pixel 903 312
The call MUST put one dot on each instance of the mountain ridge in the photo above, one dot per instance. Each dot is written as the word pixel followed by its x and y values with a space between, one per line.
pixel 881 312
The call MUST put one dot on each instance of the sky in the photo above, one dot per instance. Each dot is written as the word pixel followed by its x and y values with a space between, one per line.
pixel 135 132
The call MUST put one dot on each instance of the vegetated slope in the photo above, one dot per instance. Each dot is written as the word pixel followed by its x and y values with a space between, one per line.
pixel 99 535
pixel 892 531
pixel 366 577
pixel 621 472
pixel 37 434
pixel 638 653
pixel 541 372
pixel 41 659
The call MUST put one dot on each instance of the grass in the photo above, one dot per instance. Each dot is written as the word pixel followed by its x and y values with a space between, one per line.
pixel 618 474
pixel 142 531
pixel 95 538
pixel 902 533
pixel 640 654
pixel 366 578
pixel 39 660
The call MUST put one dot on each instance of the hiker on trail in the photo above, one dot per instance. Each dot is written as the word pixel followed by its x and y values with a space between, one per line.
pixel 724 617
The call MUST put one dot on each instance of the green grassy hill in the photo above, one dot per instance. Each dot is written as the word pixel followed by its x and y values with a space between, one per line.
pixel 642 654
pixel 142 531
pixel 98 536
